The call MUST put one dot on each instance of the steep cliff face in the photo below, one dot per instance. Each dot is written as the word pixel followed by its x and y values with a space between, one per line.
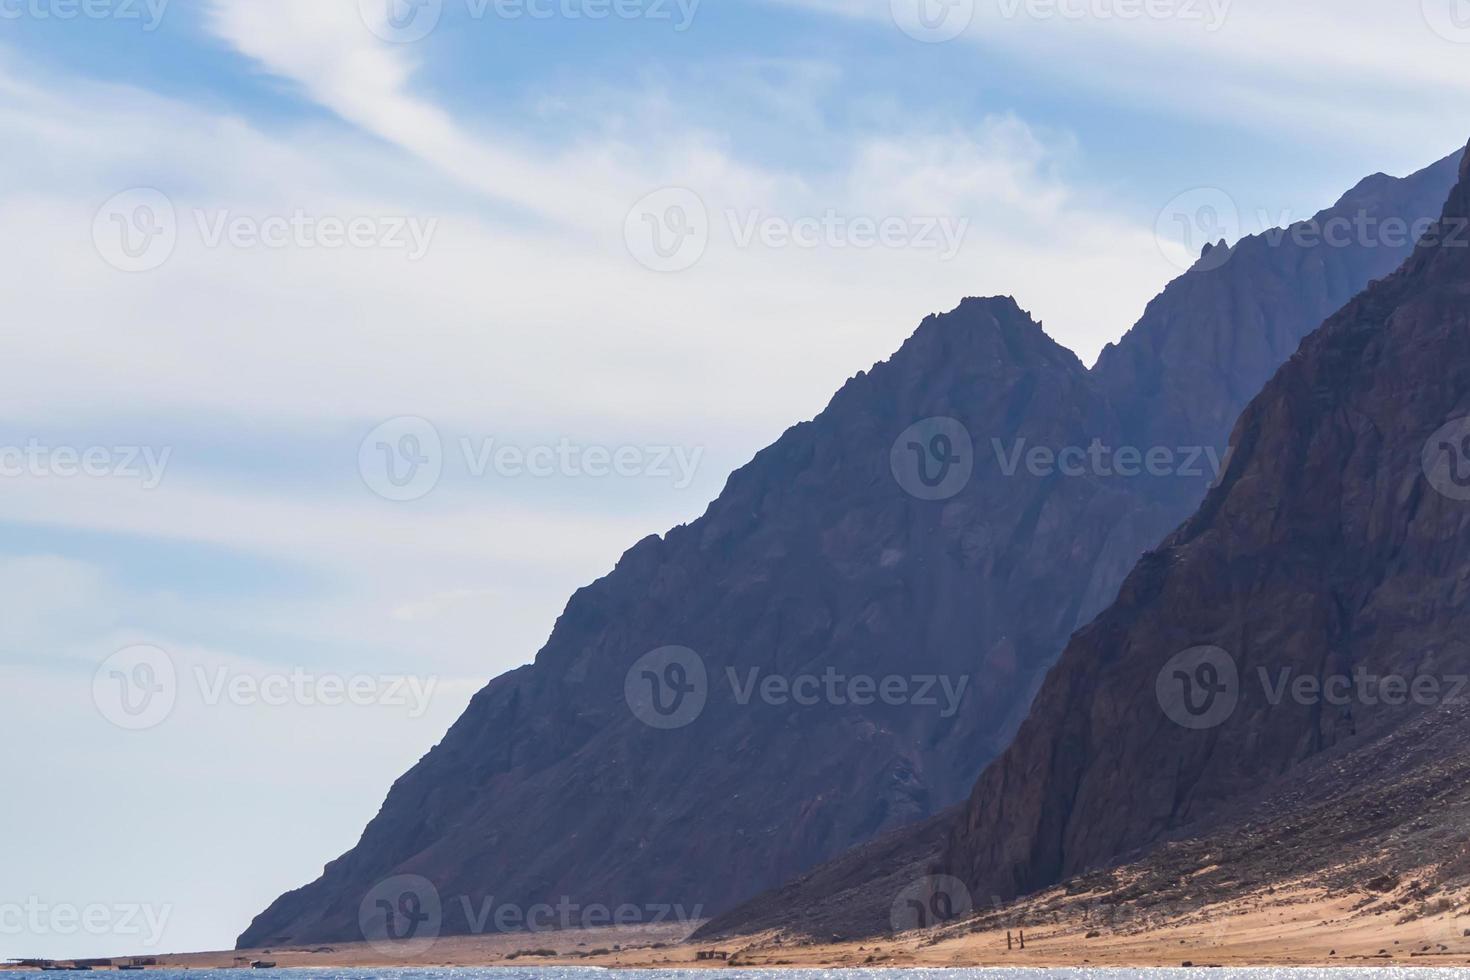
pixel 1317 602
pixel 872 542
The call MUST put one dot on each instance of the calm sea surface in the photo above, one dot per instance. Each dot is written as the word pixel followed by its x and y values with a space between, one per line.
pixel 1002 973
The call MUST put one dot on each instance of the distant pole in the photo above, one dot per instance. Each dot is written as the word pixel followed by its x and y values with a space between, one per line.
pixel 1008 940
pixel 1023 938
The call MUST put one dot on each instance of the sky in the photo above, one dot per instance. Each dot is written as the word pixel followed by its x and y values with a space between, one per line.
pixel 345 339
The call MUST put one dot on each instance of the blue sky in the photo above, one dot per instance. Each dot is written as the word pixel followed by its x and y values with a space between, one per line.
pixel 236 378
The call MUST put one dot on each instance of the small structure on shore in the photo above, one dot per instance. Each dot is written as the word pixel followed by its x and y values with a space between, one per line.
pixel 712 954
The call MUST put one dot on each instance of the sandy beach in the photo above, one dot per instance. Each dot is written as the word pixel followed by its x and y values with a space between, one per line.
pixel 1277 927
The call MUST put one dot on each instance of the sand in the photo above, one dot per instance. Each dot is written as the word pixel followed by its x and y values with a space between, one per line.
pixel 1277 927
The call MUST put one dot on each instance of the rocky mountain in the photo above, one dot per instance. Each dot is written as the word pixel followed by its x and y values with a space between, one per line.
pixel 1317 601
pixel 855 627
pixel 1278 690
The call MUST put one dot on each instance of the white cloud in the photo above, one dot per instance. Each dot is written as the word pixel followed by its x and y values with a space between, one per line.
pixel 1347 72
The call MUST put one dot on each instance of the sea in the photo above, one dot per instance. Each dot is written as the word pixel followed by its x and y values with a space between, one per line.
pixel 783 973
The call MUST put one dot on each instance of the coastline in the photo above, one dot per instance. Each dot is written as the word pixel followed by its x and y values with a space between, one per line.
pixel 1276 928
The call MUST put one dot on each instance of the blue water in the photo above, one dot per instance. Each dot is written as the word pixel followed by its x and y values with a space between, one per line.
pixel 743 973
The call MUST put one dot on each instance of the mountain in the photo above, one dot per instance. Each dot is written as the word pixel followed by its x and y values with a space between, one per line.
pixel 857 625
pixel 1277 694
pixel 1336 547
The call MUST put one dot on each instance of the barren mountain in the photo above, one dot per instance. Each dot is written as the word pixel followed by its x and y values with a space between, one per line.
pixel 856 626
pixel 1278 694
pixel 1334 551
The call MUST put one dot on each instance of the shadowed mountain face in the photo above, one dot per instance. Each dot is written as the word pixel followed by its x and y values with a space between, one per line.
pixel 1318 600
pixel 856 625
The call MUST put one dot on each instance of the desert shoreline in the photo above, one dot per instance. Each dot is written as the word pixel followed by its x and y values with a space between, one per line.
pixel 1281 929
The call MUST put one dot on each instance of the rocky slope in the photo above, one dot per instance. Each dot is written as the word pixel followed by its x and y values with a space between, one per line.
pixel 616 771
pixel 1336 547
